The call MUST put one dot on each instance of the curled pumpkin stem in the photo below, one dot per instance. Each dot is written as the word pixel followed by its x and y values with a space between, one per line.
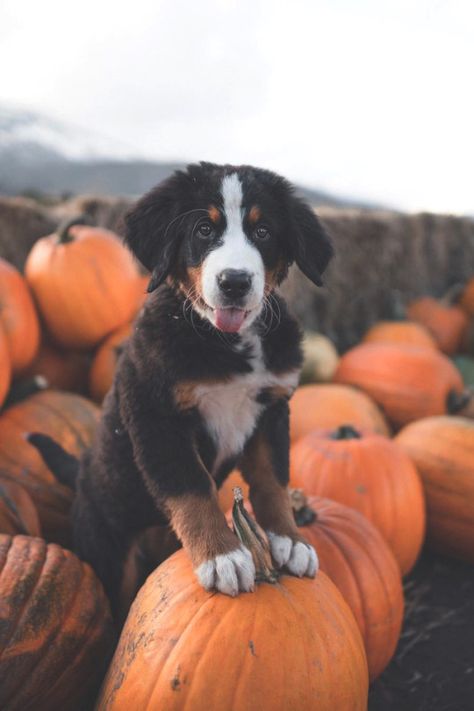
pixel 346 432
pixel 457 402
pixel 253 537
pixel 63 235
pixel 302 512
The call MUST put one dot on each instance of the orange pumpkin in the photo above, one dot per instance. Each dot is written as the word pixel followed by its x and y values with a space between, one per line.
pixel 328 406
pixel 407 382
pixel 85 283
pixel 373 475
pixel 355 557
pixel 446 322
pixel 56 630
pixel 5 367
pixel 402 332
pixel 18 513
pixel 286 646
pixel 443 450
pixel 102 371
pixel 18 317
pixel 226 494
pixel 72 421
pixel 62 369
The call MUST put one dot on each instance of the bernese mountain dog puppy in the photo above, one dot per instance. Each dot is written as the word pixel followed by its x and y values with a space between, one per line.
pixel 204 382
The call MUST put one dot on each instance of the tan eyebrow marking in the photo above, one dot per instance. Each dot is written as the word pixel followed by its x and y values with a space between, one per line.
pixel 214 213
pixel 254 214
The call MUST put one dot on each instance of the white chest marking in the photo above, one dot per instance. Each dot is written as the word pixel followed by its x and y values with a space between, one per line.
pixel 230 409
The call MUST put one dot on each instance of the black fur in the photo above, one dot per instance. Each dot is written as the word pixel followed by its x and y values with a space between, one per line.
pixel 148 450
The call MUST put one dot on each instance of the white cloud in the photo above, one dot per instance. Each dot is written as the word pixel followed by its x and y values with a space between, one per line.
pixel 369 98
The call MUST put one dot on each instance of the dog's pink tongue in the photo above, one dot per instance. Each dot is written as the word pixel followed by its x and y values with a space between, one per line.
pixel 229 320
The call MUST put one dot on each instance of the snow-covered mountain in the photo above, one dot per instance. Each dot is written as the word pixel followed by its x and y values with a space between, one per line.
pixel 42 155
pixel 30 135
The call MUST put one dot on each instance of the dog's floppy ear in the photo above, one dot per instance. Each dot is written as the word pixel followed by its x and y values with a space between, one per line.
pixel 312 248
pixel 150 231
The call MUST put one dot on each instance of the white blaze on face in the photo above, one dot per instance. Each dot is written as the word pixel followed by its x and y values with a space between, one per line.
pixel 235 252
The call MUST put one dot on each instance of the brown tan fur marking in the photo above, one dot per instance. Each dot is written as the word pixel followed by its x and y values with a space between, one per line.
pixel 201 526
pixel 254 214
pixel 214 214
pixel 270 499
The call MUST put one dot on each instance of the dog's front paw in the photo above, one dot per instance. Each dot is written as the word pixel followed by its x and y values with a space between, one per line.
pixel 298 557
pixel 229 573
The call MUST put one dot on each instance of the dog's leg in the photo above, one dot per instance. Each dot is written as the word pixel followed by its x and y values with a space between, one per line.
pixel 265 466
pixel 179 484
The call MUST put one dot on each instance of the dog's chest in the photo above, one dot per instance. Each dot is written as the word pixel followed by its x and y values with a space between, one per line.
pixel 230 409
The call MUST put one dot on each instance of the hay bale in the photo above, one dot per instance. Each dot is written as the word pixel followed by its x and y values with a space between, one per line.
pixel 381 257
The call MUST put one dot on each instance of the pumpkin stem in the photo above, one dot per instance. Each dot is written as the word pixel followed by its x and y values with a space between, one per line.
pixel 346 432
pixel 456 402
pixel 303 514
pixel 397 306
pixel 23 389
pixel 253 537
pixel 63 234
pixel 453 294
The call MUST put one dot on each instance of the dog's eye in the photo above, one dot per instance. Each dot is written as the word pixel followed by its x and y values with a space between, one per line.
pixel 204 230
pixel 262 233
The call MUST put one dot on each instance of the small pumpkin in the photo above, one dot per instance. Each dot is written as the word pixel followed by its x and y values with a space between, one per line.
pixel 62 369
pixel 402 332
pixel 293 644
pixel 320 358
pixel 5 367
pixel 55 627
pixel 442 449
pixel 371 474
pixel 71 420
pixel 406 382
pixel 101 374
pixel 356 558
pixel 90 275
pixel 445 321
pixel 18 317
pixel 327 406
pixel 18 513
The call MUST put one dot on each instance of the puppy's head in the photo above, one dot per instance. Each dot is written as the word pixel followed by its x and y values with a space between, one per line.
pixel 226 235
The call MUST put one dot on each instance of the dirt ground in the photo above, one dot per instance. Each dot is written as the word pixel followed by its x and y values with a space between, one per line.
pixel 433 668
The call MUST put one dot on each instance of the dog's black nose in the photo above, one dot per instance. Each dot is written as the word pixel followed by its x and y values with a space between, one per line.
pixel 234 283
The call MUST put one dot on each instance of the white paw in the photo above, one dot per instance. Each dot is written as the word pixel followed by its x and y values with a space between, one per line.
pixel 300 558
pixel 229 573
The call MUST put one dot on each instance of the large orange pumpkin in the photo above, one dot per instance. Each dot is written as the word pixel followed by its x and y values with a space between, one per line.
pixel 69 419
pixel 18 513
pixel 328 406
pixel 5 367
pixel 407 382
pixel 355 557
pixel 446 322
pixel 55 627
pixel 405 333
pixel 443 450
pixel 62 369
pixel 289 645
pixel 373 475
pixel 18 317
pixel 102 371
pixel 85 283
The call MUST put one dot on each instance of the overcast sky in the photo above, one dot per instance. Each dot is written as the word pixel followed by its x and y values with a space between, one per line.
pixel 366 98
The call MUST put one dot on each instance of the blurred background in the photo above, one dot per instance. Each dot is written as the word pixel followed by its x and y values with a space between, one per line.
pixel 363 102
